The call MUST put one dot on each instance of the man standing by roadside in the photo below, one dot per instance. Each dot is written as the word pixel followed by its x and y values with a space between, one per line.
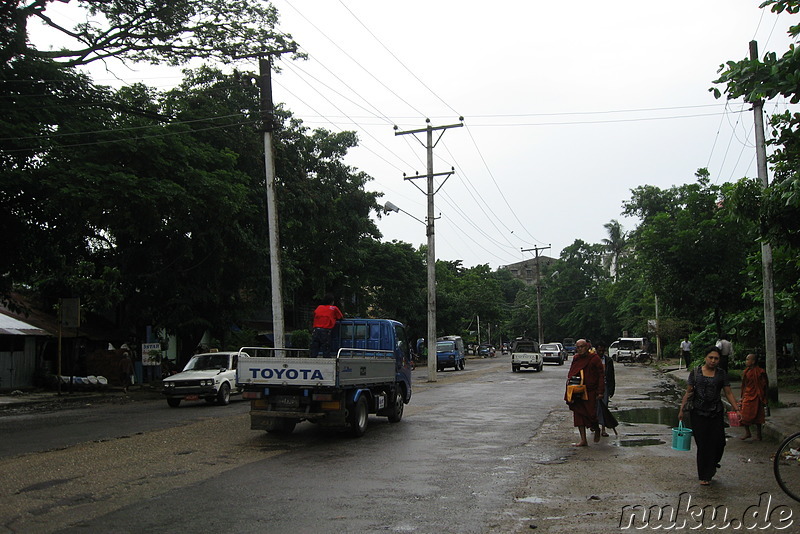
pixel 725 352
pixel 325 317
pixel 686 351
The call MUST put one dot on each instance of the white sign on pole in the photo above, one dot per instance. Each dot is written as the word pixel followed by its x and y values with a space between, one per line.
pixel 151 353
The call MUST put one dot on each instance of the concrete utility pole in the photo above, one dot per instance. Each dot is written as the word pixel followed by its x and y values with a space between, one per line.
pixel 766 250
pixel 268 125
pixel 538 290
pixel 429 144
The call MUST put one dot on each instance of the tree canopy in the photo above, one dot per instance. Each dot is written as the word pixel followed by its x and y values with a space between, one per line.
pixel 156 31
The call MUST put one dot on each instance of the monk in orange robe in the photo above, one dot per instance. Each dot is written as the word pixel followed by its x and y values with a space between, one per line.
pixel 753 397
pixel 584 410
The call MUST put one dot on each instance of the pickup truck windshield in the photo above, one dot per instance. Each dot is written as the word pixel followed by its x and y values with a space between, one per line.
pixel 207 361
pixel 527 347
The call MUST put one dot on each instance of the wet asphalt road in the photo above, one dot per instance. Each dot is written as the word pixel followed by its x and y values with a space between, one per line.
pixel 449 466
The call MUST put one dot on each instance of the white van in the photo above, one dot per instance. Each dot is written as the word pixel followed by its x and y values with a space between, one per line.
pixel 626 349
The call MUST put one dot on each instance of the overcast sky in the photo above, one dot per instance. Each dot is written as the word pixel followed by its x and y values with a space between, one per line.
pixel 567 106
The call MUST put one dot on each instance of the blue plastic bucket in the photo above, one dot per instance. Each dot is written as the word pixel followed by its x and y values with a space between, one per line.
pixel 682 438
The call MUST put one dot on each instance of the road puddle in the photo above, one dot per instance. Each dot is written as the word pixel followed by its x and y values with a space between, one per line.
pixel 639 442
pixel 662 415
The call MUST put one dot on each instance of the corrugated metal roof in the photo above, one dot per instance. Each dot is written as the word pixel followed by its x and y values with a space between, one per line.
pixel 10 326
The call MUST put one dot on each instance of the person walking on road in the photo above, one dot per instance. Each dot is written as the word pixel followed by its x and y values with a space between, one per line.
pixel 706 384
pixel 686 351
pixel 325 317
pixel 125 371
pixel 604 416
pixel 586 370
pixel 725 352
pixel 753 396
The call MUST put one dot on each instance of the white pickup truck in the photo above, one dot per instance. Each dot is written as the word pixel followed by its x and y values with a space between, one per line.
pixel 210 376
pixel 525 354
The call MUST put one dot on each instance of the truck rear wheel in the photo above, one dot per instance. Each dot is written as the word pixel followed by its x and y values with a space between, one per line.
pixel 358 418
pixel 397 408
pixel 282 426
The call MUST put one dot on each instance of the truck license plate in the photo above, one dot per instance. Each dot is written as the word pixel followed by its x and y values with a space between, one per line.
pixel 192 397
pixel 287 401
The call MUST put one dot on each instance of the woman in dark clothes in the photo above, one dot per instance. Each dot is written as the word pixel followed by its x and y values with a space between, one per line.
pixel 705 385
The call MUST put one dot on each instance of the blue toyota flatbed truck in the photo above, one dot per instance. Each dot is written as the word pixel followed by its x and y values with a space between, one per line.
pixel 369 373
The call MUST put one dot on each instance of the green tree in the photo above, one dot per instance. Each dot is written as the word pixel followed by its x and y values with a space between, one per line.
pixel 571 292
pixel 767 78
pixel 155 31
pixel 691 248
pixel 615 244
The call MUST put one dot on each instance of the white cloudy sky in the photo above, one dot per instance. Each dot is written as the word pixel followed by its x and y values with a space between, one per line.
pixel 567 106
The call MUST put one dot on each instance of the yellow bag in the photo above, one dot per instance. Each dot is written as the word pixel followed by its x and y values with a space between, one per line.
pixel 576 389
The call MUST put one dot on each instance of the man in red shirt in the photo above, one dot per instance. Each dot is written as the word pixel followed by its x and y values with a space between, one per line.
pixel 325 317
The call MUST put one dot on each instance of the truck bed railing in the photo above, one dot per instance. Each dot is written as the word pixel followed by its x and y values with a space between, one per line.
pixel 364 353
pixel 272 352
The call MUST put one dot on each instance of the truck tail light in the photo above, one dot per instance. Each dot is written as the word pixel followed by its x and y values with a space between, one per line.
pixel 331 405
pixel 252 395
pixel 322 397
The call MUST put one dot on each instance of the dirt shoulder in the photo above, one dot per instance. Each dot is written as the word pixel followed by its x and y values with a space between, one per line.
pixel 624 481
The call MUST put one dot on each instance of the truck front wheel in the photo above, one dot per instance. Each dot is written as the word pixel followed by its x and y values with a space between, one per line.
pixel 224 394
pixel 358 418
pixel 397 408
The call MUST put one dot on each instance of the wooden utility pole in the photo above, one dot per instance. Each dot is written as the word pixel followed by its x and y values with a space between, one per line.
pixel 766 250
pixel 538 290
pixel 431 257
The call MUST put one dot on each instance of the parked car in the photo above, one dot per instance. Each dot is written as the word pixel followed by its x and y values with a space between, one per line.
pixel 485 350
pixel 210 376
pixel 553 352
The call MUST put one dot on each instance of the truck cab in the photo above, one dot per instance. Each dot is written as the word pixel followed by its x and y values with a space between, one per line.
pixel 450 353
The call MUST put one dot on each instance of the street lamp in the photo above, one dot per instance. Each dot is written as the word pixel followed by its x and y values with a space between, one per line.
pixel 392 207
pixel 431 287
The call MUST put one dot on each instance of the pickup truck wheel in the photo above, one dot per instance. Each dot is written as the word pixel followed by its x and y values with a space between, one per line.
pixel 358 418
pixel 514 368
pixel 224 394
pixel 561 360
pixel 463 364
pixel 174 403
pixel 397 408
pixel 540 368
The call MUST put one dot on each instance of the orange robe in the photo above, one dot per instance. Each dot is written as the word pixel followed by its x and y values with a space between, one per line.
pixel 584 412
pixel 754 395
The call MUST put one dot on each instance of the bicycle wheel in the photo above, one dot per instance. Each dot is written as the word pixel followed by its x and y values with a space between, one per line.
pixel 786 466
